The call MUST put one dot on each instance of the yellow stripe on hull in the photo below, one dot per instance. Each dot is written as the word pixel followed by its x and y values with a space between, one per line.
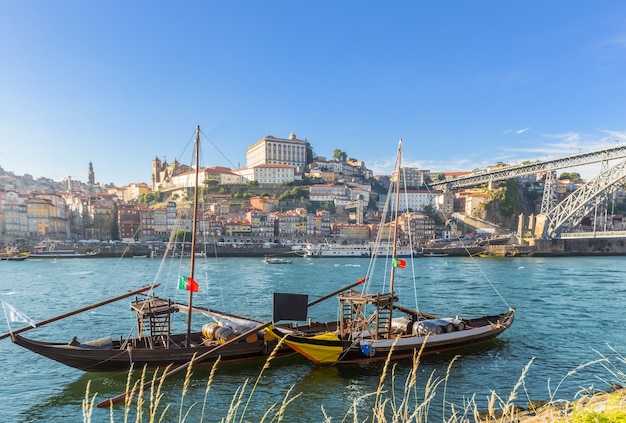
pixel 322 354
pixel 318 353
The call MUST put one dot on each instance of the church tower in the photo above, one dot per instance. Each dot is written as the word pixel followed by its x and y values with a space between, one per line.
pixel 156 173
pixel 90 176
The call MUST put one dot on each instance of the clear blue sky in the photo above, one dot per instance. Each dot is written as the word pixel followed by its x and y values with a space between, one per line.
pixel 465 84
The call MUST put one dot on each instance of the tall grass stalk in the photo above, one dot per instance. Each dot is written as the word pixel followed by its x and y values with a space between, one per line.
pixel 157 395
pixel 265 367
pixel 87 405
pixel 208 386
pixel 182 419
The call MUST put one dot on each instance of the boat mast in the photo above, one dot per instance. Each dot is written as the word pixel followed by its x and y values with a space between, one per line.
pixel 193 233
pixel 395 221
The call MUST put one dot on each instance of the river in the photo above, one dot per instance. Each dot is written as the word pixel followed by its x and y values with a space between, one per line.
pixel 569 316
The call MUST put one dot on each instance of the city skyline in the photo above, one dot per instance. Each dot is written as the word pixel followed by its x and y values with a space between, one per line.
pixel 464 85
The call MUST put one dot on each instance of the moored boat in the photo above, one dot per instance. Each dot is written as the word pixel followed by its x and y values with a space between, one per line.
pixel 233 338
pixel 327 250
pixel 12 254
pixel 54 250
pixel 375 327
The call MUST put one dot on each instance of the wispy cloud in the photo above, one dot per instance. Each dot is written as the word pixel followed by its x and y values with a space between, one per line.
pixel 619 41
pixel 516 131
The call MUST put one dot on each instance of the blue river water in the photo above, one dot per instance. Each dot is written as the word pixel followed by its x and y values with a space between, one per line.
pixel 568 329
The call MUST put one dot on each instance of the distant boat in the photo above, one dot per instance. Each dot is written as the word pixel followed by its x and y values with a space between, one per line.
pixel 52 250
pixel 276 260
pixel 11 254
pixel 434 255
pixel 328 250
pixel 336 250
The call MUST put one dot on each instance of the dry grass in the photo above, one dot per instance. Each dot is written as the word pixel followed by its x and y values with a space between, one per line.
pixel 414 405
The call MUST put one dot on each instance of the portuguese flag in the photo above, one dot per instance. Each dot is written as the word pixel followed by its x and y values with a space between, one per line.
pixel 187 284
pixel 399 263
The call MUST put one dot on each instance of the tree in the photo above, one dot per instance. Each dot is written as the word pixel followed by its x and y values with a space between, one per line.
pixel 340 155
pixel 309 152
pixel 115 229
pixel 572 176
pixel 182 235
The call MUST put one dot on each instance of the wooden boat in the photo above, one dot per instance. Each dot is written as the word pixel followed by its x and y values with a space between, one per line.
pixel 12 254
pixel 233 338
pixel 157 347
pixel 368 331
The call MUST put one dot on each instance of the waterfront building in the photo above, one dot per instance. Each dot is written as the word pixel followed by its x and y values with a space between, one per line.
pixel 321 223
pixel 292 223
pixel 129 218
pixel 13 215
pixel 238 229
pixel 260 226
pixel 47 217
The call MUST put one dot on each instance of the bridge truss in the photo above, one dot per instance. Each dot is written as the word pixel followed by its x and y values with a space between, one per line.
pixel 578 205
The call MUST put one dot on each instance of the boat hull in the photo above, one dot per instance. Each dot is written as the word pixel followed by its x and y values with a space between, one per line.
pixel 112 356
pixel 332 350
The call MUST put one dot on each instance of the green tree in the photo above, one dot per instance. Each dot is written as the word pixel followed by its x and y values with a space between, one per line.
pixel 340 155
pixel 115 229
pixel 508 198
pixel 572 176
pixel 182 235
pixel 309 152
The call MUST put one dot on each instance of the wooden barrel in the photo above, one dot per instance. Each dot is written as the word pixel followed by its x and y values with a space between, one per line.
pixel 224 334
pixel 208 330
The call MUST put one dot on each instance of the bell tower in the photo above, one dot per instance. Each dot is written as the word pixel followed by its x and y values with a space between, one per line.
pixel 90 175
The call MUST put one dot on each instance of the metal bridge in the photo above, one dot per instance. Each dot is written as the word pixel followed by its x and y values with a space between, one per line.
pixel 554 219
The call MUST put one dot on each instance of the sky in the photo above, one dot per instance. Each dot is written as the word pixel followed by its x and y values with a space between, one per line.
pixel 464 84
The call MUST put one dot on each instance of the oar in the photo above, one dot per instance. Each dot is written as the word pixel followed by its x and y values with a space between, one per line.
pixel 118 399
pixel 80 310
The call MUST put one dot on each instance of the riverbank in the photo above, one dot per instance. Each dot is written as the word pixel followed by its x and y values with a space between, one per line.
pixel 601 407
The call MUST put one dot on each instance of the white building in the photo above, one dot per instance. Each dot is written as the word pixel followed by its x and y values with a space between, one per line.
pixel 272 150
pixel 413 200
pixel 222 174
pixel 268 173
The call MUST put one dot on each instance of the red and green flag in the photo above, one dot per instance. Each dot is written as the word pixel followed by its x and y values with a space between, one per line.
pixel 187 284
pixel 399 263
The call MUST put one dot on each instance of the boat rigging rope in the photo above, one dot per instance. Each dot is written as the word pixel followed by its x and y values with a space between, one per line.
pixel 473 257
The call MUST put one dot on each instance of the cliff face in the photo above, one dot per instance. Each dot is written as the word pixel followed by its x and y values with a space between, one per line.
pixel 504 209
